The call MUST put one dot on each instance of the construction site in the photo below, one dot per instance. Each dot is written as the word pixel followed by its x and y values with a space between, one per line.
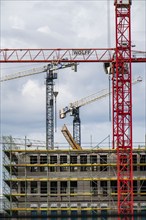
pixel 42 181
pixel 66 183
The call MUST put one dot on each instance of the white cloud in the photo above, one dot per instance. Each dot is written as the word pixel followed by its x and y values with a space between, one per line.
pixel 16 22
pixel 65 24
pixel 32 90
pixel 44 29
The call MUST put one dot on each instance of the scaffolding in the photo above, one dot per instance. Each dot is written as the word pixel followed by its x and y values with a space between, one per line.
pixel 40 180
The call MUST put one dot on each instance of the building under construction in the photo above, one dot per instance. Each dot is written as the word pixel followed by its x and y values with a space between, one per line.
pixel 66 183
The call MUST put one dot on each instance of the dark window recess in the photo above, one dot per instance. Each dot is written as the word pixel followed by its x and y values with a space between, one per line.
pixel 63 160
pixel 53 187
pixel 14 170
pixel 143 213
pixel 43 187
pixel 94 187
pixel 14 158
pixel 44 214
pixel 63 187
pixel 53 160
pixel 83 215
pixel 73 186
pixel 43 160
pixel 103 186
pixel 54 215
pixel 135 186
pixel 114 186
pixel 83 160
pixel 15 186
pixel 143 186
pixel 33 187
pixel 143 161
pixel 93 160
pixel 34 215
pixel 103 160
pixel 104 215
pixel 134 162
pixel 73 160
pixel 33 160
pixel 23 187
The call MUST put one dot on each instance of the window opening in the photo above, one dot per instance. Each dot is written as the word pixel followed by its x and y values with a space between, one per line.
pixel 34 213
pixel 64 215
pixel 63 187
pixel 143 212
pixel 94 187
pixel 103 160
pixel 44 213
pixel 94 214
pixel 53 187
pixel 103 185
pixel 83 215
pixel 74 215
pixel 33 186
pixel 53 160
pixel 134 162
pixel 43 160
pixel 33 160
pixel 93 160
pixel 143 187
pixel 23 187
pixel 63 160
pixel 43 188
pixel 143 161
pixel 73 187
pixel 73 160
pixel 103 214
pixel 83 160
pixel 54 215
pixel 135 186
pixel 114 186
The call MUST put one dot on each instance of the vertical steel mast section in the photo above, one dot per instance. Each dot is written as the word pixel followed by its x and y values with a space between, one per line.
pixel 122 108
pixel 50 108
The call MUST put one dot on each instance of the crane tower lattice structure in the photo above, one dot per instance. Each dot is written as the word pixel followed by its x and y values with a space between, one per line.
pixel 122 107
pixel 51 74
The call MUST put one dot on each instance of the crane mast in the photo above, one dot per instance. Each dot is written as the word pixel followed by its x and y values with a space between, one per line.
pixel 122 108
pixel 50 94
pixel 74 109
pixel 50 108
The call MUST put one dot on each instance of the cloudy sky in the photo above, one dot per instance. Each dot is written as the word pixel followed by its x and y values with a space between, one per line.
pixel 66 24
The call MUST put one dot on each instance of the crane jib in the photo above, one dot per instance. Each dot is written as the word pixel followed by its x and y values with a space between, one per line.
pixel 65 55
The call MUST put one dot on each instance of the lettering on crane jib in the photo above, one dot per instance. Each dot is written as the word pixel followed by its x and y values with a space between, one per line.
pixel 81 52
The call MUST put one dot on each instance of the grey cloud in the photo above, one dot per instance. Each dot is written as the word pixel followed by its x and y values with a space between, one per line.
pixel 70 24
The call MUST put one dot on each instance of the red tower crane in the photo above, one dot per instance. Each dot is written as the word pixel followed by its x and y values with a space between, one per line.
pixel 121 59
pixel 122 107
